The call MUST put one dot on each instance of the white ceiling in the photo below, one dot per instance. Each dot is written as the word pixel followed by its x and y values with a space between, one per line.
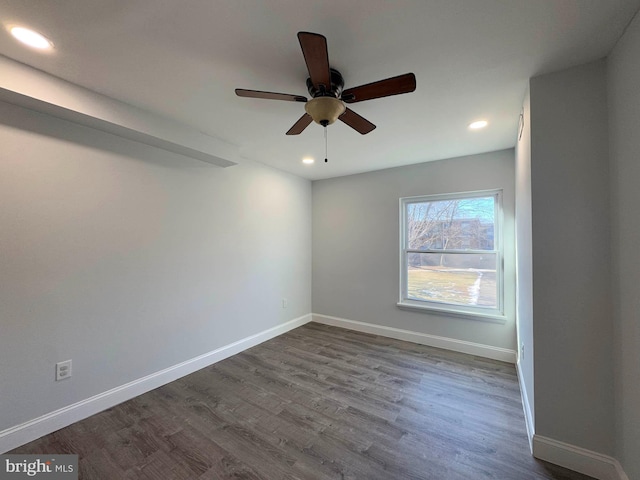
pixel 183 59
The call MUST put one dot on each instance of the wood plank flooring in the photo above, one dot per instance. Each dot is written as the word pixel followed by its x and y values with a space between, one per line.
pixel 318 402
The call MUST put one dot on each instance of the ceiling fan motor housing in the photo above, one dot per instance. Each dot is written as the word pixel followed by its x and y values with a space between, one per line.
pixel 335 89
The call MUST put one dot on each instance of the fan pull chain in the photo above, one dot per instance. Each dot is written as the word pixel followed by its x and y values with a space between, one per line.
pixel 325 146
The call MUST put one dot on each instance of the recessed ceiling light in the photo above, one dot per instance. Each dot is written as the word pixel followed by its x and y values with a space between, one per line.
pixel 308 160
pixel 479 124
pixel 31 38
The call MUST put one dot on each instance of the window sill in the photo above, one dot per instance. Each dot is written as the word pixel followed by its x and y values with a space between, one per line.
pixel 484 317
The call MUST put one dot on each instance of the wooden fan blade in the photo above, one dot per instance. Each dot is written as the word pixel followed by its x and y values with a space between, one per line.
pixel 316 56
pixel 241 92
pixel 355 121
pixel 300 125
pixel 383 88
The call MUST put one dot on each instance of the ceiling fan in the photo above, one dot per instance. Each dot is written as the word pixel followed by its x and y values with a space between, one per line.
pixel 326 87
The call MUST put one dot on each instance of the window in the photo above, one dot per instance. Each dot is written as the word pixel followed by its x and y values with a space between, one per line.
pixel 451 253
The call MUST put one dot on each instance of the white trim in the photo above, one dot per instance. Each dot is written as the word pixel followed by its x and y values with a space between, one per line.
pixel 478 349
pixel 594 464
pixel 528 416
pixel 430 306
pixel 20 434
pixel 622 475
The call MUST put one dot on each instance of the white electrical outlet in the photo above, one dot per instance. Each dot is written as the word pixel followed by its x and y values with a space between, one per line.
pixel 63 370
pixel 284 303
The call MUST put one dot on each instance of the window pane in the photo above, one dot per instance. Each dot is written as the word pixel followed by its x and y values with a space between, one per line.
pixel 457 224
pixel 459 279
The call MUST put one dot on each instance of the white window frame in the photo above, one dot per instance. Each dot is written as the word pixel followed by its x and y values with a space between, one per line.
pixel 476 312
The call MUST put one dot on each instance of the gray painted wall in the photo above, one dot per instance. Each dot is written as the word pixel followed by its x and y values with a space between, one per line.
pixel 128 259
pixel 356 244
pixel 571 260
pixel 624 119
pixel 524 265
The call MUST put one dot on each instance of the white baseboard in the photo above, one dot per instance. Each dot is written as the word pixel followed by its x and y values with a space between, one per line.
pixel 578 459
pixel 528 413
pixel 621 473
pixel 26 432
pixel 478 349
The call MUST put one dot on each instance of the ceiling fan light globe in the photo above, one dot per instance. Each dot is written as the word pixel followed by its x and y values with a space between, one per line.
pixel 325 110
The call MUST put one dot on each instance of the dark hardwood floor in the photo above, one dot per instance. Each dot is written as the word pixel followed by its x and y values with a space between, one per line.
pixel 318 402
